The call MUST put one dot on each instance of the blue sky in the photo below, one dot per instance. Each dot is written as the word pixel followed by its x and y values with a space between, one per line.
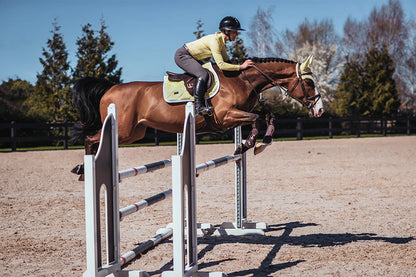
pixel 147 33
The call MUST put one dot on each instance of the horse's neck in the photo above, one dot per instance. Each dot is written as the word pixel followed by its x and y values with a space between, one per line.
pixel 281 72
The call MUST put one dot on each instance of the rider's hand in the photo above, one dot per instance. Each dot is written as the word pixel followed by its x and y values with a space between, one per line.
pixel 246 64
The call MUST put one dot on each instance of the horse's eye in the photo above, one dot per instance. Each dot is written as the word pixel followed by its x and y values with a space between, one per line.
pixel 310 83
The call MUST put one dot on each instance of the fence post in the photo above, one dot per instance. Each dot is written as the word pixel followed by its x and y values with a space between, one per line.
pixel 330 127
pixel 358 128
pixel 156 137
pixel 408 125
pixel 384 126
pixel 13 135
pixel 299 129
pixel 65 134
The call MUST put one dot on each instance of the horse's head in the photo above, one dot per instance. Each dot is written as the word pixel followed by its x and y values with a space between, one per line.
pixel 298 83
pixel 302 88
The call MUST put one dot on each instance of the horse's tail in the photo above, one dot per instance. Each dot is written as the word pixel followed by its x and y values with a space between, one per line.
pixel 86 95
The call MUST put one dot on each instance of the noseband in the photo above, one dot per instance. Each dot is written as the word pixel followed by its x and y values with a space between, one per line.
pixel 308 100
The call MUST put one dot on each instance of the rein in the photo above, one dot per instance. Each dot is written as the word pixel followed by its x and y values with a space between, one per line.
pixel 308 100
pixel 259 101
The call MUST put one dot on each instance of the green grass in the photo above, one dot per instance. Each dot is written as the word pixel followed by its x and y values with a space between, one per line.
pixel 173 143
pixel 40 148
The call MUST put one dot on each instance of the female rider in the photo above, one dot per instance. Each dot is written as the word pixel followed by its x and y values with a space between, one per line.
pixel 188 56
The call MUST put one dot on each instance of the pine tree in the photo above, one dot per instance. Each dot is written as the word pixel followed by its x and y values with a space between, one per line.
pixel 349 90
pixel 51 99
pixel 381 93
pixel 368 89
pixel 93 60
pixel 387 27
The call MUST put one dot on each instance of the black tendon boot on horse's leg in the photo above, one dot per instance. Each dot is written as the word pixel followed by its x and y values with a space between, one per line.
pixel 249 143
pixel 79 170
pixel 199 94
pixel 268 137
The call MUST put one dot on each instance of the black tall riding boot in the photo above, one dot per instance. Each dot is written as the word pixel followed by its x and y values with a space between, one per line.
pixel 199 94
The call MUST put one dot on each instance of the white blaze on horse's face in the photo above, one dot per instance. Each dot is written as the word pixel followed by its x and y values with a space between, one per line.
pixel 318 109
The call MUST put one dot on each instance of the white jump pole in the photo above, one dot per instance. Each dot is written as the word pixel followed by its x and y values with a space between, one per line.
pixel 131 172
pixel 162 235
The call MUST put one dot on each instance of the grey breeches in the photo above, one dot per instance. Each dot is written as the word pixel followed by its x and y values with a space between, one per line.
pixel 185 61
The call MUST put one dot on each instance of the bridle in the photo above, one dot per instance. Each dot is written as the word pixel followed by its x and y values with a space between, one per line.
pixel 308 100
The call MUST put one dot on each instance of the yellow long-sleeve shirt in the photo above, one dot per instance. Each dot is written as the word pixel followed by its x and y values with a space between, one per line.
pixel 212 46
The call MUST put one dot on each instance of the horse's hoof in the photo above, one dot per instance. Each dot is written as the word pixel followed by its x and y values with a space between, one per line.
pixel 79 169
pixel 241 148
pixel 259 147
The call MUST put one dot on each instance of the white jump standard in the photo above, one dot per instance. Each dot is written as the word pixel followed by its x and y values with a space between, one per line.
pixel 185 252
pixel 101 170
pixel 184 172
pixel 242 226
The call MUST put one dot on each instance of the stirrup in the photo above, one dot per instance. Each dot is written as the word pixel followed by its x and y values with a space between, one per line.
pixel 202 110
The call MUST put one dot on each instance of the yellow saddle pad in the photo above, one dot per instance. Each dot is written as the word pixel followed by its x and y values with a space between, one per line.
pixel 175 92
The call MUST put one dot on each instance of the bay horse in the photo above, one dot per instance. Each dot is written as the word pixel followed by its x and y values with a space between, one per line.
pixel 141 104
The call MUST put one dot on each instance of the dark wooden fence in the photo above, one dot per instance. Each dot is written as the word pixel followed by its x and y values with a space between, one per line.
pixel 13 135
pixel 34 134
pixel 330 127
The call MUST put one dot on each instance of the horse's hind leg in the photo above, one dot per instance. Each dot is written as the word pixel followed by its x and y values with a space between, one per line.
pixel 91 148
pixel 268 137
pixel 131 135
pixel 92 143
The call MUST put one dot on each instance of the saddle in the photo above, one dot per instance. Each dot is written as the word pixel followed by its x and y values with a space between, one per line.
pixel 189 80
pixel 179 88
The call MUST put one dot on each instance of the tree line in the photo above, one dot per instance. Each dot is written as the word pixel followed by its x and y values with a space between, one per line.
pixel 368 71
pixel 50 99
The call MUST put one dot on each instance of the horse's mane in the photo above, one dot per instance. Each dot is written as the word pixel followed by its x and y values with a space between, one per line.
pixel 268 60
pixel 264 60
pixel 256 60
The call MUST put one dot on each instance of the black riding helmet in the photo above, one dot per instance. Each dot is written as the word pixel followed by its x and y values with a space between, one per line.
pixel 230 23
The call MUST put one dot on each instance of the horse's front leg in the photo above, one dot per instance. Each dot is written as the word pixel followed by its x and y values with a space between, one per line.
pixel 268 137
pixel 236 118
pixel 249 142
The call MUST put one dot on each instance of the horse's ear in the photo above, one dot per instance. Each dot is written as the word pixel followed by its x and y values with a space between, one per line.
pixel 304 67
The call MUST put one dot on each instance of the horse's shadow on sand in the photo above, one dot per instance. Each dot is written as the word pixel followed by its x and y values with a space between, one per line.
pixel 267 267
